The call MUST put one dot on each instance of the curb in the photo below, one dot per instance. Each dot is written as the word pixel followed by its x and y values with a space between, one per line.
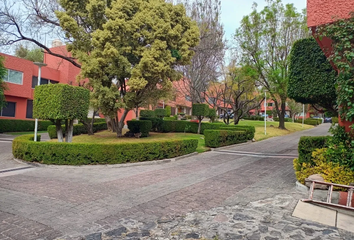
pixel 301 187
pixel 121 165
pixel 230 146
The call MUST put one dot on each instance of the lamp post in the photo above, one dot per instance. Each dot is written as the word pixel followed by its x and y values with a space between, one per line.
pixel 40 65
pixel 265 112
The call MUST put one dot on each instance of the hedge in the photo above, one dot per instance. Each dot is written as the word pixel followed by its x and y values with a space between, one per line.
pixel 310 121
pixel 168 111
pixel 140 126
pixel 285 119
pixel 93 153
pixel 219 138
pixel 200 109
pixel 308 144
pixel 254 118
pixel 192 127
pixel 147 113
pixel 160 112
pixel 156 123
pixel 78 129
pixel 7 125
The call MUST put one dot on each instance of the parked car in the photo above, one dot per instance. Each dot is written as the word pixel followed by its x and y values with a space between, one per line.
pixel 222 116
pixel 327 120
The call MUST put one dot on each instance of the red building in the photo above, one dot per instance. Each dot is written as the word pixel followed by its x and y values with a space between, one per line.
pixel 320 12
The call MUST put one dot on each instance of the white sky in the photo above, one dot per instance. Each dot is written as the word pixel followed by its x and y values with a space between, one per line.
pixel 234 10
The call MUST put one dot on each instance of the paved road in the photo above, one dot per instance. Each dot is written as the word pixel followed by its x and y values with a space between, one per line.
pixel 69 202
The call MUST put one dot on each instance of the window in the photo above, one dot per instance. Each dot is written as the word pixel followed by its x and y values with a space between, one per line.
pixel 270 104
pixel 14 77
pixel 9 110
pixel 188 98
pixel 211 100
pixel 43 81
pixel 29 110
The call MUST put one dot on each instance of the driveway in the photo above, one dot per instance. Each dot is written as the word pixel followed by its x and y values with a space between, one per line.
pixel 205 195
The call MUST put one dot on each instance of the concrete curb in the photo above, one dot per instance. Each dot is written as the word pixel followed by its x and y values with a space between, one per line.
pixel 230 146
pixel 121 165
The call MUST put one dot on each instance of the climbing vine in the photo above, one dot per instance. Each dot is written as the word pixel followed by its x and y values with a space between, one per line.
pixel 341 32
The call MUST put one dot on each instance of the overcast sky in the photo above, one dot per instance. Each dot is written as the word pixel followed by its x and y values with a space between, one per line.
pixel 234 10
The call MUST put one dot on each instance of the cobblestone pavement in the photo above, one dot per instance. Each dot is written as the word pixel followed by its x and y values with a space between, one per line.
pixel 210 195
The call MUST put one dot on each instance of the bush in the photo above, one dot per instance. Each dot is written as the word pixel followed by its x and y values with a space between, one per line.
pixel 212 114
pixel 78 129
pixel 254 118
pixel 7 125
pixel 160 112
pixel 285 119
pixel 200 109
pixel 156 123
pixel 310 121
pixel 308 144
pixel 147 114
pixel 168 111
pixel 169 118
pixel 140 126
pixel 91 153
pixel 174 126
pixel 219 138
pixel 334 120
pixel 320 164
pixel 188 117
pixel 60 101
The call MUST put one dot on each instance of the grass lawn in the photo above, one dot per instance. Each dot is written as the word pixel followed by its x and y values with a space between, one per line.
pixel 274 131
pixel 109 137
pixel 23 133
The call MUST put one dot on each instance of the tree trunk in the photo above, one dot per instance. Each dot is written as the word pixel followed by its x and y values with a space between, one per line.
pixel 59 130
pixel 69 130
pixel 90 127
pixel 236 118
pixel 199 124
pixel 136 113
pixel 120 123
pixel 110 124
pixel 282 114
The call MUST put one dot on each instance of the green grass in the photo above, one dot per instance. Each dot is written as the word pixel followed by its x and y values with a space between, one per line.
pixel 23 133
pixel 272 131
pixel 109 137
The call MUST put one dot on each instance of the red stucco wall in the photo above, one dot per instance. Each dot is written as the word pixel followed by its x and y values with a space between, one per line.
pixel 325 11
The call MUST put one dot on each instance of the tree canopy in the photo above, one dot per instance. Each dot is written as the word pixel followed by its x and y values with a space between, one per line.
pixel 312 79
pixel 34 55
pixel 265 39
pixel 3 73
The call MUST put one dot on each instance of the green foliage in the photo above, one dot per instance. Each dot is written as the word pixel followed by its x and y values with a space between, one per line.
pixel 78 129
pixel 60 101
pixel 341 34
pixel 219 138
pixel 34 55
pixel 169 118
pixel 334 120
pixel 91 153
pixel 15 125
pixel 141 126
pixel 147 113
pixel 160 112
pixel 286 119
pixel 211 114
pixel 311 77
pixel 310 121
pixel 322 164
pixel 254 118
pixel 307 145
pixel 200 110
pixel 156 123
pixel 3 73
pixel 168 111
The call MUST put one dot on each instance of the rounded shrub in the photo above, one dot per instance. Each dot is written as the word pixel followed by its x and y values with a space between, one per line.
pixel 160 112
pixel 168 111
pixel 147 114
pixel 140 126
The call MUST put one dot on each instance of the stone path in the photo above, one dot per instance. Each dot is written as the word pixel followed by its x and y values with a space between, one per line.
pixel 211 195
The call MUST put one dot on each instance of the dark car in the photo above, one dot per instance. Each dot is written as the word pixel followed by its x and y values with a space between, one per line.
pixel 327 120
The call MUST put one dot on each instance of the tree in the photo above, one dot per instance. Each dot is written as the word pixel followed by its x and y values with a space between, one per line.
pixel 3 74
pixel 206 63
pixel 129 50
pixel 200 111
pixel 265 39
pixel 61 102
pixel 312 79
pixel 294 108
pixel 34 55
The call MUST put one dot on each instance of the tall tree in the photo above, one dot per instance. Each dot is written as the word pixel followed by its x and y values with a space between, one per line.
pixel 3 74
pixel 312 79
pixel 265 39
pixel 34 55
pixel 206 63
pixel 129 49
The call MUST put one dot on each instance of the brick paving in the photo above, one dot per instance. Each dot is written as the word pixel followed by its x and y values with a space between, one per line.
pixel 69 202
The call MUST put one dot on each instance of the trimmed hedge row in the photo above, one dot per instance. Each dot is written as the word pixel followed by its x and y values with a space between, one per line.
pixel 307 145
pixel 285 119
pixel 7 125
pixel 192 127
pixel 24 148
pixel 78 129
pixel 221 137
pixel 254 118
pixel 310 121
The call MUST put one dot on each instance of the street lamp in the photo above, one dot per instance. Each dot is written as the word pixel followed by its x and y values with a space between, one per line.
pixel 40 65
